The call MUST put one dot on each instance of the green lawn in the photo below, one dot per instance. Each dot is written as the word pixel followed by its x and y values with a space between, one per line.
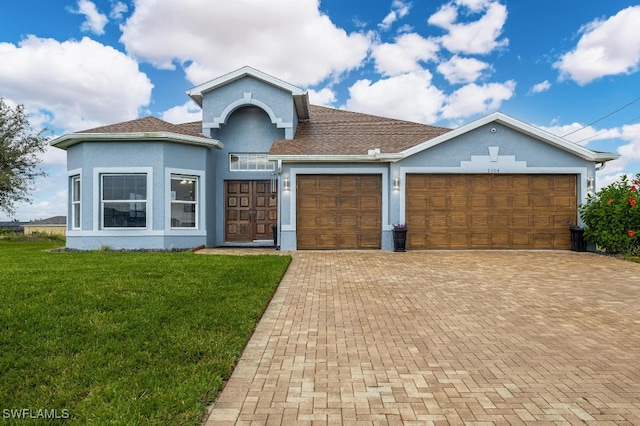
pixel 125 338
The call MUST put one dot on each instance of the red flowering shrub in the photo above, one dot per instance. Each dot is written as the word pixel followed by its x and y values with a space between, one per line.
pixel 612 217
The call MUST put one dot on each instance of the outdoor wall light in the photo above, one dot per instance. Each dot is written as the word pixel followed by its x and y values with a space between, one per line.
pixel 286 186
pixel 396 183
pixel 591 185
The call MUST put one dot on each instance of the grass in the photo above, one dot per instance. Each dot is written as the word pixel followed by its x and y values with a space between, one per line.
pixel 125 338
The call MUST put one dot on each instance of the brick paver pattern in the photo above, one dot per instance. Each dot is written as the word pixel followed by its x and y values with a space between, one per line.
pixel 443 337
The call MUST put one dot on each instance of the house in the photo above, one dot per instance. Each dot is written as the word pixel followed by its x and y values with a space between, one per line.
pixel 12 226
pixel 264 159
pixel 56 225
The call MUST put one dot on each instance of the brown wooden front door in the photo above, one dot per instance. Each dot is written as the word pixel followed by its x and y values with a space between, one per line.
pixel 251 210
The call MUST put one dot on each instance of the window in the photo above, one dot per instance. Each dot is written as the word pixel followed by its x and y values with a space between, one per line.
pixel 184 201
pixel 124 200
pixel 75 202
pixel 250 162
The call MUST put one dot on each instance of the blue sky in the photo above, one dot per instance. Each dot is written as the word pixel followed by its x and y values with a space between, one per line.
pixel 560 65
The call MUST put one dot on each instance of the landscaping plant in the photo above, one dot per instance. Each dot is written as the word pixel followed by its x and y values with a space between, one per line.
pixel 612 217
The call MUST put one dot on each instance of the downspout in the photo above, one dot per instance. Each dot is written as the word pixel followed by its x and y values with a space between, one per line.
pixel 601 166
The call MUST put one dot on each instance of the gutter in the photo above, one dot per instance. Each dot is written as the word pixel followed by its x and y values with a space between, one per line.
pixel 65 141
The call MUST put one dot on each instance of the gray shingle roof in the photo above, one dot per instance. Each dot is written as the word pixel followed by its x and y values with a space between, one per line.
pixel 329 131
pixel 149 125
pixel 336 132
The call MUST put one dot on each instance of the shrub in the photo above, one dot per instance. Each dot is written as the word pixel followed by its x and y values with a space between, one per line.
pixel 612 217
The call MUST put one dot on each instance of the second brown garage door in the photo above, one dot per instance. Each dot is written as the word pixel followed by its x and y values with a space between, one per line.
pixel 490 211
pixel 339 211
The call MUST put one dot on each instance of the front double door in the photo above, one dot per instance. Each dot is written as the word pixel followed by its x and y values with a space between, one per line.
pixel 251 210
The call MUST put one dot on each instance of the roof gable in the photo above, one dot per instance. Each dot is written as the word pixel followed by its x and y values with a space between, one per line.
pixel 300 96
pixel 518 126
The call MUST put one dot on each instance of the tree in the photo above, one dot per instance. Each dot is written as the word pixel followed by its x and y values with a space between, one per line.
pixel 19 149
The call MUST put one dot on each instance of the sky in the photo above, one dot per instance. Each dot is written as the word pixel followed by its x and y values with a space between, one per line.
pixel 571 67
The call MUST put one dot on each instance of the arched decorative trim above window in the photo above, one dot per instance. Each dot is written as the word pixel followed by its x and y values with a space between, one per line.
pixel 246 100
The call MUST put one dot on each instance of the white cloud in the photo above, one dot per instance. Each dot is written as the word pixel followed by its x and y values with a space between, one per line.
pixel 118 10
pixel 626 138
pixel 80 84
pixel 606 47
pixel 541 87
pixel 404 55
pixel 409 96
pixel 290 39
pixel 185 113
pixel 322 97
pixel 95 21
pixel 475 99
pixel 53 157
pixel 476 37
pixel 577 133
pixel 459 70
pixel 399 9
pixel 631 151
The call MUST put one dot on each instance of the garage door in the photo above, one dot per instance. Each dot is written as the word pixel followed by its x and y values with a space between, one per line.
pixel 490 211
pixel 339 211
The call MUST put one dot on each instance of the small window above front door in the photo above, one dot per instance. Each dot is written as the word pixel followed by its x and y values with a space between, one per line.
pixel 250 162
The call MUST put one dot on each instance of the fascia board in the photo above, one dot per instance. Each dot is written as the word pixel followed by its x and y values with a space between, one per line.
pixel 335 158
pixel 65 141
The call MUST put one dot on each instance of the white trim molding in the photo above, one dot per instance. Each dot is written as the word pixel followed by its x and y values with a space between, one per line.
pixel 97 200
pixel 200 228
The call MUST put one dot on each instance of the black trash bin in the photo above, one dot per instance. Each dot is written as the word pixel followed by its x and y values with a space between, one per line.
pixel 577 239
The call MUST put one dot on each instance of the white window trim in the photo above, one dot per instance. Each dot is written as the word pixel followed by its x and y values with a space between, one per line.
pixel 97 194
pixel 256 154
pixel 75 216
pixel 200 201
pixel 71 174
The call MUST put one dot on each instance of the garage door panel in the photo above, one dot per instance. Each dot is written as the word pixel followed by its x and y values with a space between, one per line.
pixel 479 201
pixel 500 240
pixel 338 211
pixel 438 202
pixel 490 211
pixel 481 240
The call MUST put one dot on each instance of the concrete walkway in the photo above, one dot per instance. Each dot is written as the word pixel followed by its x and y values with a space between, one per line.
pixel 444 337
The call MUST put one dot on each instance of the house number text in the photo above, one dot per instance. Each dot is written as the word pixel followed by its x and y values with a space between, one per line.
pixel 490 170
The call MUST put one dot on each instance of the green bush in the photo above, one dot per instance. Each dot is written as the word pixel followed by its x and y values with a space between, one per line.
pixel 612 217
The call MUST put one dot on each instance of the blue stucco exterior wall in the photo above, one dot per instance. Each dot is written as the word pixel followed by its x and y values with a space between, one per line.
pixel 158 160
pixel 248 130
pixel 220 104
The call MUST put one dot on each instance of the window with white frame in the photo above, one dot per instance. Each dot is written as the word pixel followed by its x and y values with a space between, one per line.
pixel 76 205
pixel 124 200
pixel 250 162
pixel 184 201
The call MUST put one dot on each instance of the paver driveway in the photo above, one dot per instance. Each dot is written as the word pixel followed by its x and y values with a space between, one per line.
pixel 443 337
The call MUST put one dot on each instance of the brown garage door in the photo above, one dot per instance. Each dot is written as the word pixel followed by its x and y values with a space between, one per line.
pixel 339 211
pixel 490 211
